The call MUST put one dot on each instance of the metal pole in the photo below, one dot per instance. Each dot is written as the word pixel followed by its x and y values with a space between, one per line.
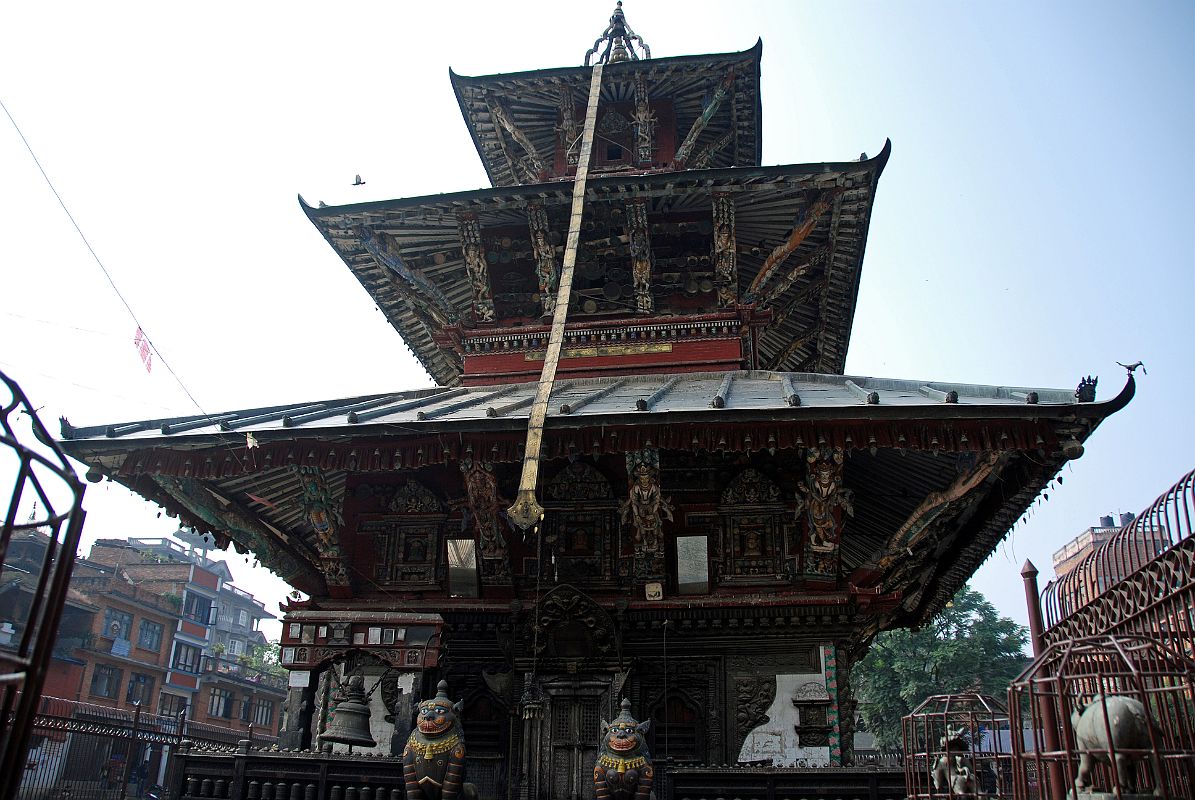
pixel 128 761
pixel 1037 636
pixel 526 511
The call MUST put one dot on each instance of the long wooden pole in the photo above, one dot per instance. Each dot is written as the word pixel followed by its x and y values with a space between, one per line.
pixel 526 511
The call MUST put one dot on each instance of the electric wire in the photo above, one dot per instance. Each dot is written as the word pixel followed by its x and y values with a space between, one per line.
pixel 104 269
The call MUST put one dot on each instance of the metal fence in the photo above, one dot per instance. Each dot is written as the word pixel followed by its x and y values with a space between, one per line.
pixel 1139 583
pixel 81 751
pixel 44 499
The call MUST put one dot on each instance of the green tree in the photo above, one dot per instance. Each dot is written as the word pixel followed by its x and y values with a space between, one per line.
pixel 968 647
pixel 265 659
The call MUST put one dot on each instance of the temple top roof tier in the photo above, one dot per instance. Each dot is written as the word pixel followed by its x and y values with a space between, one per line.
pixel 527 125
pixel 794 235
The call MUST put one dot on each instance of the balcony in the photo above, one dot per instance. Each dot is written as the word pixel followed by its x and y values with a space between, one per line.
pixel 234 670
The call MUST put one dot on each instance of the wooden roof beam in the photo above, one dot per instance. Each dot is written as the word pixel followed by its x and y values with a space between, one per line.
pixel 646 404
pixel 938 394
pixel 592 397
pixel 806 223
pixel 868 396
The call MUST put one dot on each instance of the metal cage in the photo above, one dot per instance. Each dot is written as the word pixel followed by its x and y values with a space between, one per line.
pixel 42 526
pixel 1104 717
pixel 957 745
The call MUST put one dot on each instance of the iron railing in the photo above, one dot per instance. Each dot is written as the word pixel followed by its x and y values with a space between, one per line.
pixel 84 751
pixel 1140 582
pixel 45 499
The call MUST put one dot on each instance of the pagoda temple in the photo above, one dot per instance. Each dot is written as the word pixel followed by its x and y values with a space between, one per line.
pixel 643 472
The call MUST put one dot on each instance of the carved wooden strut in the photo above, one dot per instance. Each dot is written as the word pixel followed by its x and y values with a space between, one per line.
pixel 473 251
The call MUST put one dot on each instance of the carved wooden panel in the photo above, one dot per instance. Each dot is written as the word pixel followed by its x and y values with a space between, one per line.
pixel 583 543
pixel 408 551
pixel 754 540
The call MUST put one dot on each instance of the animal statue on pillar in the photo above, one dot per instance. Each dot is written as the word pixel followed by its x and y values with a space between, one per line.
pixel 1115 724
pixel 433 762
pixel 623 770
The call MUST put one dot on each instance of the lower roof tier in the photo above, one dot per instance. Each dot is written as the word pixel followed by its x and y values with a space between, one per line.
pixel 365 497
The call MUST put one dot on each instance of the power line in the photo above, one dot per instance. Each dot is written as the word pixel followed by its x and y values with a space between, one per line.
pixel 104 269
pixel 98 262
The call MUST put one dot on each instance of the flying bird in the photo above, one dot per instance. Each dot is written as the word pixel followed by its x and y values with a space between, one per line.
pixel 358 181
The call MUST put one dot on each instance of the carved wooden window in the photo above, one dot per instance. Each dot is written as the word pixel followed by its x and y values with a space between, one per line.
pixel 753 537
pixel 614 137
pixel 678 730
pixel 407 528
pixel 580 527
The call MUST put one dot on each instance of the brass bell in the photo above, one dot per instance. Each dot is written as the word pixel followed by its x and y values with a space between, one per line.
pixel 350 718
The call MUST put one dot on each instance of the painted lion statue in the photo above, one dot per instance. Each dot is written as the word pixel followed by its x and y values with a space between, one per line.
pixel 623 770
pixel 433 762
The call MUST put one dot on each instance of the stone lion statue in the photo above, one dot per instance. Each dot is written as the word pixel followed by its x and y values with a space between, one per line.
pixel 433 762
pixel 623 770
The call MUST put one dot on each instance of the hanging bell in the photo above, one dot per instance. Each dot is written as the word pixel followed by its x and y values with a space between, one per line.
pixel 350 718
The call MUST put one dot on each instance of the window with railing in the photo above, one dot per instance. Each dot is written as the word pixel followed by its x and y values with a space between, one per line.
pixel 186 657
pixel 219 704
pixel 149 636
pixel 117 624
pixel 105 681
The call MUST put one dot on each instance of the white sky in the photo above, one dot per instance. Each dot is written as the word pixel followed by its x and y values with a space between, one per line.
pixel 1032 226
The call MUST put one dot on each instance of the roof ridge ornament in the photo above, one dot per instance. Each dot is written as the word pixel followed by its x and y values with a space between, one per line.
pixel 620 41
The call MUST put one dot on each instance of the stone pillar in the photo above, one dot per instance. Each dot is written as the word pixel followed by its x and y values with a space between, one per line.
pixel 300 701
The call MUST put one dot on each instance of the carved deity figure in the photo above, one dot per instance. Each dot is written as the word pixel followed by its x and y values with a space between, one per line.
pixel 476 269
pixel 318 505
pixel 545 258
pixel 623 770
pixel 644 121
pixel 433 761
pixel 726 276
pixel 646 508
pixel 641 256
pixel 320 510
pixel 481 487
pixel 821 495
